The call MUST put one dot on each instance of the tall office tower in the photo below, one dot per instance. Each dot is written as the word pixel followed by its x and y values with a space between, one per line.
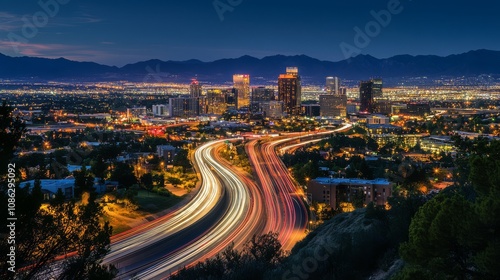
pixel 292 71
pixel 195 88
pixel 260 95
pixel 242 85
pixel 332 85
pixel 368 90
pixel 290 90
pixel 219 100
pixel 231 98
pixel 187 106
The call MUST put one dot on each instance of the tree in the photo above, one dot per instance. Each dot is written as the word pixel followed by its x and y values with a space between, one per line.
pixel 260 254
pixel 371 144
pixel 174 181
pixel 109 152
pixel 124 174
pixel 60 156
pixel 439 238
pixel 147 180
pixel 265 248
pixel 61 228
pixel 182 159
pixel 84 182
pixel 455 234
pixel 159 180
pixel 11 130
pixel 91 243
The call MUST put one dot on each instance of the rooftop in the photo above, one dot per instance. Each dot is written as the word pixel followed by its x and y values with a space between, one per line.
pixel 51 185
pixel 354 181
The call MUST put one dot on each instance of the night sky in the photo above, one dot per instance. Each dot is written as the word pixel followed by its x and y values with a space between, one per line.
pixel 116 32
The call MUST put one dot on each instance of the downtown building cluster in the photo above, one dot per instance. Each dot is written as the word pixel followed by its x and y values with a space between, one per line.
pixel 285 101
pixel 240 98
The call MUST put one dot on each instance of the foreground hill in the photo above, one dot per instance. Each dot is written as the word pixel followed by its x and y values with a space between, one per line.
pixel 352 245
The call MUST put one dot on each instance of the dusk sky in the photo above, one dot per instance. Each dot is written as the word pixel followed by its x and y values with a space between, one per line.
pixel 120 32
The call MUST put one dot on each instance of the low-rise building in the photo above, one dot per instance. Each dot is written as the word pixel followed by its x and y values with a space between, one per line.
pixel 273 109
pixel 311 110
pixel 161 110
pixel 404 140
pixel 166 152
pixel 51 186
pixel 337 191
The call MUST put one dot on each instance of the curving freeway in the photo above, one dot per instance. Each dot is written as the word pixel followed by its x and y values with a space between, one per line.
pixel 228 208
pixel 223 211
pixel 286 212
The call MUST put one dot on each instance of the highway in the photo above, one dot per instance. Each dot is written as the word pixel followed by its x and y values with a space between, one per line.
pixel 286 212
pixel 223 211
pixel 228 208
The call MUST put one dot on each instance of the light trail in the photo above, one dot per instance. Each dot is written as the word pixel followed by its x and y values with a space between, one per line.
pixel 286 211
pixel 223 211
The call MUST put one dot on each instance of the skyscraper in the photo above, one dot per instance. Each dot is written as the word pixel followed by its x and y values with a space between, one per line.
pixel 260 95
pixel 334 102
pixel 368 90
pixel 195 88
pixel 220 100
pixel 242 85
pixel 332 85
pixel 187 106
pixel 290 90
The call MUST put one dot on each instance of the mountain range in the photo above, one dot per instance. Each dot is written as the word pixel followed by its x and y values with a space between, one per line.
pixel 473 63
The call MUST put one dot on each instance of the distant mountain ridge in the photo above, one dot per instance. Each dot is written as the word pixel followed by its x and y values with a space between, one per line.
pixel 472 63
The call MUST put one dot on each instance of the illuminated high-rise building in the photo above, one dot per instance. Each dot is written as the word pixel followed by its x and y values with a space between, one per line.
pixel 290 90
pixel 195 89
pixel 220 100
pixel 334 102
pixel 242 85
pixel 187 106
pixel 368 90
pixel 333 105
pixel 332 85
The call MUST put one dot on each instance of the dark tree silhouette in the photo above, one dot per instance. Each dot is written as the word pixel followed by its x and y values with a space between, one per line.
pixel 11 130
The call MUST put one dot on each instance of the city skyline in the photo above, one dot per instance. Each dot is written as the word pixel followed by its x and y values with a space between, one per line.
pixel 252 140
pixel 213 30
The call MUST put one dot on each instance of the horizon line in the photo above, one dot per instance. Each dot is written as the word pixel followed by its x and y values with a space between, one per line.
pixel 246 55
